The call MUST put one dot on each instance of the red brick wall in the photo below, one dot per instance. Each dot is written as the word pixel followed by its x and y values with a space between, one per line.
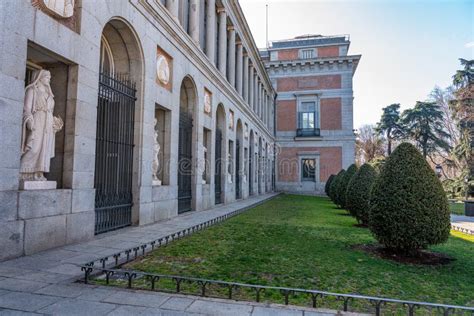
pixel 309 82
pixel 288 54
pixel 331 118
pixel 286 115
pixel 330 162
pixel 328 51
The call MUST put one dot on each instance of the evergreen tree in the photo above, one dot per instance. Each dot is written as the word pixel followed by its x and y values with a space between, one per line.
pixel 408 207
pixel 423 124
pixel 390 125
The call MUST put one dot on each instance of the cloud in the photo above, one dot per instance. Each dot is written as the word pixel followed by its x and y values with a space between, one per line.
pixel 469 45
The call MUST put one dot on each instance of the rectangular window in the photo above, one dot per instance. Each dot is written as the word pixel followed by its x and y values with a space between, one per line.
pixel 307 115
pixel 307 53
pixel 308 168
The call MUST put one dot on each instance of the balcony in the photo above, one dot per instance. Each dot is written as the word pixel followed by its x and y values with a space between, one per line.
pixel 308 132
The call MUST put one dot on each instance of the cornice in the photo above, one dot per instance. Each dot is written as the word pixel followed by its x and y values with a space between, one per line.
pixel 313 61
pixel 183 42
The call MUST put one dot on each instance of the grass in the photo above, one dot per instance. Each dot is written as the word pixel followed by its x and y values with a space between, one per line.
pixel 305 242
pixel 456 208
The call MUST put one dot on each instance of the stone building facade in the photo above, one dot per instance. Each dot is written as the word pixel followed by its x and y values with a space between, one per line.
pixel 314 109
pixel 166 106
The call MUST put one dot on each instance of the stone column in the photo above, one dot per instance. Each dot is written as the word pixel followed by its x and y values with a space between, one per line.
pixel 194 12
pixel 255 94
pixel 222 41
pixel 231 56
pixel 239 68
pixel 173 7
pixel 251 88
pixel 211 30
pixel 264 107
pixel 260 100
pixel 245 80
pixel 267 116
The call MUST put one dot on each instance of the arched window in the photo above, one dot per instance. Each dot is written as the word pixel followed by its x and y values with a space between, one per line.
pixel 106 57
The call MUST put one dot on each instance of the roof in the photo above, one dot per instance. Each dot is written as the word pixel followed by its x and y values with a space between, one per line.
pixel 309 40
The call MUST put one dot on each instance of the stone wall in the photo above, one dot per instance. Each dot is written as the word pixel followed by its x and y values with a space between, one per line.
pixel 31 221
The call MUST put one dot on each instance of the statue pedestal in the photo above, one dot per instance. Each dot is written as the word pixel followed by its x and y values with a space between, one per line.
pixel 156 182
pixel 38 185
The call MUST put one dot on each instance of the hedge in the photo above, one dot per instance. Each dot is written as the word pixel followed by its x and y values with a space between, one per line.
pixel 358 193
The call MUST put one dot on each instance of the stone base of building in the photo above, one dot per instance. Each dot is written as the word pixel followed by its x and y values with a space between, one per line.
pixel 36 220
pixel 309 188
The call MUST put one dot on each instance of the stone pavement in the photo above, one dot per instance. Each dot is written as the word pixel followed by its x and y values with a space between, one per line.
pixel 463 223
pixel 44 283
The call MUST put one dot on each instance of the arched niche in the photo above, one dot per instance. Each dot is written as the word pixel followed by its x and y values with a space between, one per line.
pixel 220 154
pixel 187 146
pixel 119 121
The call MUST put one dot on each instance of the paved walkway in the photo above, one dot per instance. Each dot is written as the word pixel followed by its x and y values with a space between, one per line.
pixel 463 223
pixel 43 283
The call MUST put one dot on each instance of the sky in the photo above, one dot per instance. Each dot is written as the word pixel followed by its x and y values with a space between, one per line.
pixel 407 47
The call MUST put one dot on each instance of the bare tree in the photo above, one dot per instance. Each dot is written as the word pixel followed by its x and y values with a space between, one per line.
pixel 369 145
pixel 443 97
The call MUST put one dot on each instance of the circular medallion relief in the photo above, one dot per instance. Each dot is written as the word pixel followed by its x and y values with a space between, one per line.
pixel 162 69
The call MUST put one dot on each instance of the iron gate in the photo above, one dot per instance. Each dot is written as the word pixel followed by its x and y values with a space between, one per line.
pixel 114 153
pixel 237 163
pixel 185 162
pixel 218 167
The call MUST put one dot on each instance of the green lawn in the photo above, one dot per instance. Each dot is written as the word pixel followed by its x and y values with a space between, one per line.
pixel 457 208
pixel 305 242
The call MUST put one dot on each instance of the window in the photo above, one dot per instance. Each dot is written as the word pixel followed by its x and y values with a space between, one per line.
pixel 106 57
pixel 307 53
pixel 308 168
pixel 307 115
pixel 273 55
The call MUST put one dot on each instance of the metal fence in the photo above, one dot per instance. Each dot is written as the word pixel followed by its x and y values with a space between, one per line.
pixel 109 267
pixel 315 297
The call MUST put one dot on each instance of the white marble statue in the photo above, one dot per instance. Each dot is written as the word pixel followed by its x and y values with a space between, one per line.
pixel 39 128
pixel 229 169
pixel 204 165
pixel 155 166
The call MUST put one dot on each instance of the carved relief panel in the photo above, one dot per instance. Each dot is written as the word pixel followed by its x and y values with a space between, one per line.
pixel 164 69
pixel 207 102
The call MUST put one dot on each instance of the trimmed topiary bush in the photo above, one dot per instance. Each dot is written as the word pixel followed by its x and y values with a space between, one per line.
pixel 342 186
pixel 328 184
pixel 408 206
pixel 358 193
pixel 334 185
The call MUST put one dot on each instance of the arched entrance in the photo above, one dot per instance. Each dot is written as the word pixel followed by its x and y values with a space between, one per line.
pixel 219 163
pixel 251 162
pixel 185 145
pixel 238 160
pixel 120 76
